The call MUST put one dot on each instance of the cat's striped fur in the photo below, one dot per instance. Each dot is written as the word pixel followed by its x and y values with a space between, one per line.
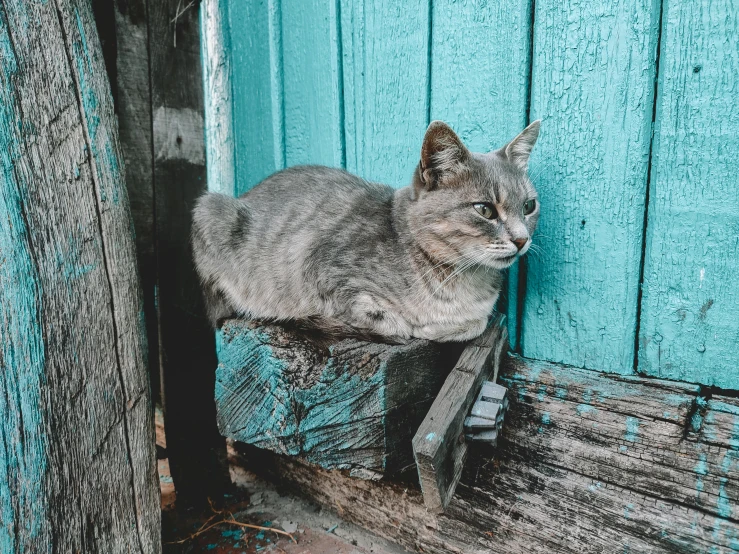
pixel 322 247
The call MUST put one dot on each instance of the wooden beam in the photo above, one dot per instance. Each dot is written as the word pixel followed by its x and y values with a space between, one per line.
pixel 587 462
pixel 77 458
pixel 439 446
pixel 348 405
pixel 128 67
pixel 195 448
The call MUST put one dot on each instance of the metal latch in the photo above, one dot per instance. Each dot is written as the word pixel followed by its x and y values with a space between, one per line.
pixel 486 417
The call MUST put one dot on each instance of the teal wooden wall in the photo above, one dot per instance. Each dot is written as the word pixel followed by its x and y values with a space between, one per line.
pixel 636 165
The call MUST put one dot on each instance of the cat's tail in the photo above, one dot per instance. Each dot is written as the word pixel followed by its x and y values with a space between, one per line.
pixel 219 224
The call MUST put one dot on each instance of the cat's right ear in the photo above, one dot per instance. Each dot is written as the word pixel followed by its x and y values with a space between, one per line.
pixel 443 156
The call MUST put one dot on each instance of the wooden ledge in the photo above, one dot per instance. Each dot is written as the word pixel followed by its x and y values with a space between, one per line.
pixel 587 462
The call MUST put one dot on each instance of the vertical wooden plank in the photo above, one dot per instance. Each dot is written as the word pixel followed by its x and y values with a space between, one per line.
pixel 592 84
pixel 77 462
pixel 690 305
pixel 132 95
pixel 196 449
pixel 216 56
pixel 481 93
pixel 385 49
pixel 311 82
pixel 256 77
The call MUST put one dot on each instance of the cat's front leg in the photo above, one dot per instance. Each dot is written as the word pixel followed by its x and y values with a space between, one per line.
pixel 453 333
pixel 367 313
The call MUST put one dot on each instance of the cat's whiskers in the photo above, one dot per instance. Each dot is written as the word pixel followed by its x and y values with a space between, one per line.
pixel 419 294
pixel 462 268
pixel 445 262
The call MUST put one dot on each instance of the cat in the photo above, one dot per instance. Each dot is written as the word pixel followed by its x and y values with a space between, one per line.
pixel 322 247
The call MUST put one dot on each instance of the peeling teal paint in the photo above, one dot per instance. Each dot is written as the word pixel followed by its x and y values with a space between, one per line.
pixel 545 418
pixel 91 109
pixel 583 409
pixel 632 429
pixel 723 504
pixel 23 442
pixel 696 421
pixel 69 261
pixel 541 393
pixel 700 470
pixel 627 510
pixel 299 417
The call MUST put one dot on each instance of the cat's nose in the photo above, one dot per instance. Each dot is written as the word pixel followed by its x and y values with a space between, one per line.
pixel 520 243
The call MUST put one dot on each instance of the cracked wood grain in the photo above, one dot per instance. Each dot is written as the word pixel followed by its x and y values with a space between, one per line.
pixel 77 463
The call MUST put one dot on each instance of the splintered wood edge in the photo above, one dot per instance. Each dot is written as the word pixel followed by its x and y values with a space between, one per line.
pixel 438 445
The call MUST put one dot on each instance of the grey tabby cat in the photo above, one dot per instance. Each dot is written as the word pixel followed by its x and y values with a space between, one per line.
pixel 322 247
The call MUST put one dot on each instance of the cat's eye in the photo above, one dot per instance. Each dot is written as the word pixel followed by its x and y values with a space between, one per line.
pixel 486 210
pixel 529 206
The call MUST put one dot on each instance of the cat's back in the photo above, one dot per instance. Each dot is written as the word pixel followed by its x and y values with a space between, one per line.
pixel 314 186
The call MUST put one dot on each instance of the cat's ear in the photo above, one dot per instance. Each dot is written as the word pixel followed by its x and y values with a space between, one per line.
pixel 443 155
pixel 519 149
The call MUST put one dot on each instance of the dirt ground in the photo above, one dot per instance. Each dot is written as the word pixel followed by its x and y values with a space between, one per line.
pixel 286 525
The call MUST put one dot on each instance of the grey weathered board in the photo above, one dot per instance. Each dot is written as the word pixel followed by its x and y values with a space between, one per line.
pixel 439 445
pixel 196 450
pixel 587 462
pixel 128 67
pixel 77 459
pixel 350 405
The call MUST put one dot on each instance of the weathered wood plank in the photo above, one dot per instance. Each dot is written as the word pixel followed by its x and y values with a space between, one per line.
pixel 258 108
pixel 311 66
pixel 385 50
pixel 195 448
pixel 593 85
pixel 438 445
pixel 481 92
pixel 132 96
pixel 690 304
pixel 587 462
pixel 350 405
pixel 77 459
pixel 218 96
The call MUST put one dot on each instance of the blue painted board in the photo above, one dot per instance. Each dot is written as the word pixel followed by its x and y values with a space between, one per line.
pixel 385 48
pixel 312 83
pixel 592 84
pixel 255 31
pixel 480 82
pixel 690 305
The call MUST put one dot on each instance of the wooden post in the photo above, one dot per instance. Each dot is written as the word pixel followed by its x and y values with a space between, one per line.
pixel 77 462
pixel 196 450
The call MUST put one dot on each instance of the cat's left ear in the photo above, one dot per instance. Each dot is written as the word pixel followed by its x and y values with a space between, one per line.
pixel 519 149
pixel 443 155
